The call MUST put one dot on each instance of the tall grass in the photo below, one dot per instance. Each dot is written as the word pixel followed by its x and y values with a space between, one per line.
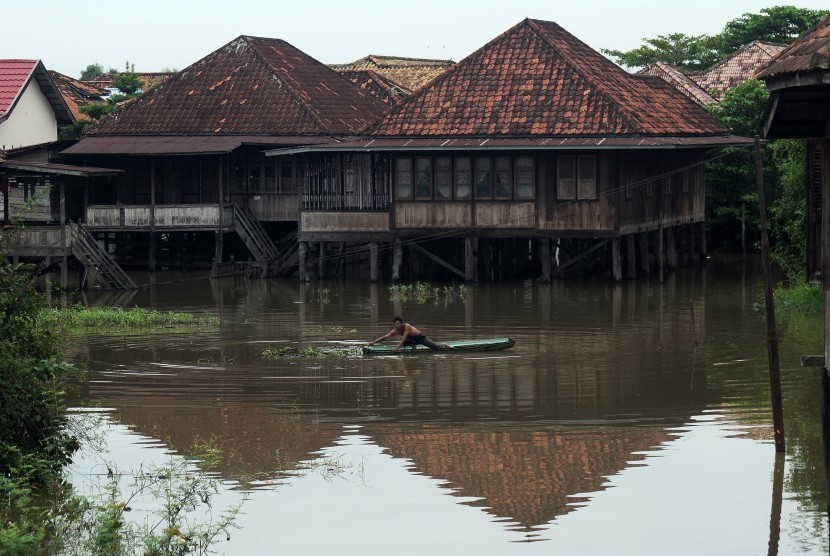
pixel 105 319
pixel 799 298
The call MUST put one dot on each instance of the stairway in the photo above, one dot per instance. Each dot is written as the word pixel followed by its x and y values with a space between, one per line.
pixel 254 237
pixel 96 260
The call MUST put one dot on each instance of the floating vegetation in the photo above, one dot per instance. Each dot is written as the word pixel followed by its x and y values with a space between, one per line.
pixel 307 351
pixel 323 295
pixel 421 292
pixel 80 319
pixel 330 329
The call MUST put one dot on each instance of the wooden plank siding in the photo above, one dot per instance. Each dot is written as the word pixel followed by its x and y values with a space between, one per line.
pixel 38 241
pixel 345 222
pixel 432 214
pixel 270 207
pixel 179 217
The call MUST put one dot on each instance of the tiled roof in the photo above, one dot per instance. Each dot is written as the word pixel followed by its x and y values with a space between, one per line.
pixel 371 82
pixel 679 81
pixel 810 52
pixel 16 74
pixel 249 86
pixel 408 73
pixel 77 93
pixel 737 68
pixel 538 79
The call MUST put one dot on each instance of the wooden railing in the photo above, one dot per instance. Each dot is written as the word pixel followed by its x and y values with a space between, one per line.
pixel 165 216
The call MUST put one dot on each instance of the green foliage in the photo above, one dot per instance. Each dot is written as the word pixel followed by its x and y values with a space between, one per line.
pixel 128 83
pixel 421 292
pixel 92 71
pixel 685 52
pixel 117 320
pixel 697 52
pixel 742 108
pixel 799 299
pixel 789 211
pixel 95 111
pixel 307 351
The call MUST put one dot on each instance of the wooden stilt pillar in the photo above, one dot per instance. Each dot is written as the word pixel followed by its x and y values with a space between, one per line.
pixel 470 259
pixel 615 259
pixel 660 254
pixel 702 241
pixel 631 256
pixel 321 261
pixel 644 261
pixel 671 247
pixel 544 255
pixel 397 259
pixel 302 252
pixel 693 258
pixel 373 261
pixel 485 247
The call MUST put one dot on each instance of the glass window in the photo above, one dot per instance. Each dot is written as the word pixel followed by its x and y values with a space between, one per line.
pixel 443 178
pixel 587 177
pixel 403 178
pixel 504 177
pixel 423 178
pixel 463 178
pixel 270 178
pixel 239 170
pixel 525 177
pixel 287 184
pixel 484 178
pixel 566 177
pixel 254 177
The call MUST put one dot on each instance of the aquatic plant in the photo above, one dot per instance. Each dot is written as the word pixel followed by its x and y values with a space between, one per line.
pixel 307 351
pixel 79 319
pixel 421 292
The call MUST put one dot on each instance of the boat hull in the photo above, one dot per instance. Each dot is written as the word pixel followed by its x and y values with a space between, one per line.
pixel 489 344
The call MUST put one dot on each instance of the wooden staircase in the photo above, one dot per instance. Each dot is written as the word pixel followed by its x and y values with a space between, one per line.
pixel 97 261
pixel 254 237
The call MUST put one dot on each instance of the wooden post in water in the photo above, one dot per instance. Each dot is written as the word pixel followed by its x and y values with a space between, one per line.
pixel 661 259
pixel 373 261
pixel 302 252
pixel 631 256
pixel 616 264
pixel 397 259
pixel 470 259
pixel 644 262
pixel 544 255
pixel 772 333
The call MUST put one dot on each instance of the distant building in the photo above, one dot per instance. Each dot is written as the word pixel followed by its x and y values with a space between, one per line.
pixel 77 93
pixel 408 73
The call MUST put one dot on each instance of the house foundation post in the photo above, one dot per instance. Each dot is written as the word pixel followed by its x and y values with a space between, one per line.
pixel 302 252
pixel 644 262
pixel 544 255
pixel 470 244
pixel 397 259
pixel 671 248
pixel 616 264
pixel 660 254
pixel 631 256
pixel 693 257
pixel 703 241
pixel 321 261
pixel 373 261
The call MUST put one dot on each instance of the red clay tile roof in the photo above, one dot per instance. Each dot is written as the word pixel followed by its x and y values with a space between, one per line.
pixel 810 52
pixel 408 73
pixel 679 81
pixel 538 79
pixel 77 93
pixel 249 86
pixel 738 67
pixel 377 85
pixel 16 74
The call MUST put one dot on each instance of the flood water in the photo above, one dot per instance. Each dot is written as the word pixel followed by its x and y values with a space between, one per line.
pixel 629 419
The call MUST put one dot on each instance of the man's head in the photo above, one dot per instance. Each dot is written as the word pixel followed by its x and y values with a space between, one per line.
pixel 397 322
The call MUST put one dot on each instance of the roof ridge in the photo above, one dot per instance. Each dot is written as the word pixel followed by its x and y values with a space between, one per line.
pixel 625 113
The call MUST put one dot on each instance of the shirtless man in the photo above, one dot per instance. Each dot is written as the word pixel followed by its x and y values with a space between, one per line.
pixel 410 336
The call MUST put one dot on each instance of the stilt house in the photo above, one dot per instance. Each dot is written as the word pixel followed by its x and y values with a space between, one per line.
pixel 192 154
pixel 533 155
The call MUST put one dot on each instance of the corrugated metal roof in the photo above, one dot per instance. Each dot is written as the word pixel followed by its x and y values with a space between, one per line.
pixel 60 169
pixel 810 52
pixel 182 145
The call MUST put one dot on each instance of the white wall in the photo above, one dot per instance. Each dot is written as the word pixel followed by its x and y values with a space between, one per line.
pixel 31 122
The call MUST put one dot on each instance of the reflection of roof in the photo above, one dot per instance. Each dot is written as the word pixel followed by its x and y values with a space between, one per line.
pixel 527 476
pixel 249 86
pixel 408 73
pixel 15 75
pixel 377 85
pixel 810 52
pixel 538 79
pixel 737 67
pixel 77 93
pixel 679 81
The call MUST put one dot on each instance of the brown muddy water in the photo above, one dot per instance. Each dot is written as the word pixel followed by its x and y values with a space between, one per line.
pixel 629 419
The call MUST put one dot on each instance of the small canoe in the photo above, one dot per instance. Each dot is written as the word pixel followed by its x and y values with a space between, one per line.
pixel 489 344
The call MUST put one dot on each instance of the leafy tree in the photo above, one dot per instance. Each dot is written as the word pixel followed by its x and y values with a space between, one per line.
pixel 129 83
pixel 91 72
pixel 95 111
pixel 781 24
pixel 685 52
pixel 789 211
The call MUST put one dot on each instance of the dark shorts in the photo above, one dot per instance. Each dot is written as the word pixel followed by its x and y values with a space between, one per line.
pixel 421 339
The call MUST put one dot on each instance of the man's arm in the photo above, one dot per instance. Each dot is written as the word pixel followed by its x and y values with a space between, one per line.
pixel 384 337
pixel 404 336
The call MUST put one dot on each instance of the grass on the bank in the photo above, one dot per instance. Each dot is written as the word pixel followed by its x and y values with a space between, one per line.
pixel 799 298
pixel 81 319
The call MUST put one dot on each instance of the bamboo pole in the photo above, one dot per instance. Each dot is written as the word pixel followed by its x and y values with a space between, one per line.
pixel 772 334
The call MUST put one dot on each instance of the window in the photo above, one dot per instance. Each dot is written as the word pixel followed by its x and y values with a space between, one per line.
pixel 254 177
pixel 270 178
pixel 484 178
pixel 504 177
pixel 576 177
pixel 403 178
pixel 423 178
pixel 238 183
pixel 525 178
pixel 463 178
pixel 443 178
pixel 287 183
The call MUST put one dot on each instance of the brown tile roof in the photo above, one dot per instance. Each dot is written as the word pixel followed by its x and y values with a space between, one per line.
pixel 538 79
pixel 810 52
pixel 679 81
pixel 408 73
pixel 737 68
pixel 77 93
pixel 249 86
pixel 377 85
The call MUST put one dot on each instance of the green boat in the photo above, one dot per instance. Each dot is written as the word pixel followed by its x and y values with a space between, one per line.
pixel 489 344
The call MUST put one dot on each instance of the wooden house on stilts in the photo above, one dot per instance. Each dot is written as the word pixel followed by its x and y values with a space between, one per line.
pixel 532 157
pixel 196 187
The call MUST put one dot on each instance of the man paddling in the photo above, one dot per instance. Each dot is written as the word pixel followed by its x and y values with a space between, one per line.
pixel 410 336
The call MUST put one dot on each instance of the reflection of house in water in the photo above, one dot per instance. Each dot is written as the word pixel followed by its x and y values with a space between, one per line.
pixel 529 476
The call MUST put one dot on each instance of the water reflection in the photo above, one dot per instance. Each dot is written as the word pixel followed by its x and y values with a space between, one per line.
pixel 600 389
